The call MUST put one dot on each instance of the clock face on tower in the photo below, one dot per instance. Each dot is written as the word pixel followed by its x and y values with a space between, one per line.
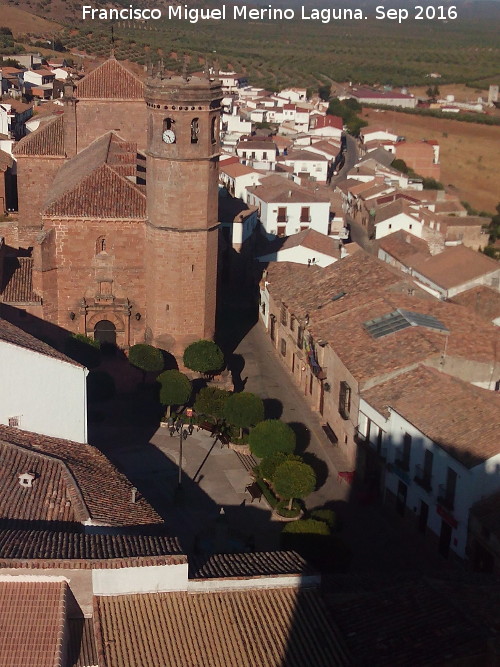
pixel 168 136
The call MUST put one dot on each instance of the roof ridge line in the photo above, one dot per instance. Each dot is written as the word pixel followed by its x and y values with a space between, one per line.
pixel 125 179
pixel 52 457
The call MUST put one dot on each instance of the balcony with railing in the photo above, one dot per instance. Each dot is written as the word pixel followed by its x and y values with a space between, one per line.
pixel 423 478
pixel 445 498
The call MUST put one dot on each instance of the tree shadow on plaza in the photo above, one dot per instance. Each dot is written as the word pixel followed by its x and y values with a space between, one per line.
pixel 302 435
pixel 235 365
pixel 273 408
pixel 125 437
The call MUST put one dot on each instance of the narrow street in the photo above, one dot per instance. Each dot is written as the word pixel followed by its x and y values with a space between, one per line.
pixel 380 540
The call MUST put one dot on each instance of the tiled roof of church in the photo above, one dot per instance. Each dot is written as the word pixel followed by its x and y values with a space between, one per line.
pixel 66 471
pixel 111 80
pixel 48 139
pixel 94 185
pixel 17 281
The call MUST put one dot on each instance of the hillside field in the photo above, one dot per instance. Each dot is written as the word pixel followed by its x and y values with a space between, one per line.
pixel 468 155
pixel 21 22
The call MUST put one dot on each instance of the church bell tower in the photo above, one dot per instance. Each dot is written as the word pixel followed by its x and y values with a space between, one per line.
pixel 182 209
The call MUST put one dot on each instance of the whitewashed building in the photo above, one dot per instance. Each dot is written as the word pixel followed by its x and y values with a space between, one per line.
pixel 305 163
pixel 438 439
pixel 286 208
pixel 308 247
pixel 42 390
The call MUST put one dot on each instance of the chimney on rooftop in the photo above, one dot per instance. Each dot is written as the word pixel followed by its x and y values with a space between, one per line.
pixel 134 495
pixel 26 479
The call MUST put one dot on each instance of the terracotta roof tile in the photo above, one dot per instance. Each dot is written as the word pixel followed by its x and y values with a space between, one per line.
pixel 90 185
pixel 111 80
pixel 406 621
pixel 76 471
pixel 469 337
pixel 308 289
pixel 238 628
pixel 309 238
pixel 235 169
pixel 256 564
pixel 303 156
pixel 82 651
pixel 279 189
pixel 253 144
pixel 483 300
pixel 48 499
pixel 461 418
pixel 6 160
pixel 36 540
pixel 454 266
pixel 32 617
pixel 368 288
pixel 17 281
pixel 401 245
pixel 48 139
pixel 12 334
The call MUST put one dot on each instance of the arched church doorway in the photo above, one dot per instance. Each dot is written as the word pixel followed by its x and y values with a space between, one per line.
pixel 105 332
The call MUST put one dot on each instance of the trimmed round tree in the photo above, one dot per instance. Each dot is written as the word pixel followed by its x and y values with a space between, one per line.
pixel 146 358
pixel 267 466
pixel 244 410
pixel 203 356
pixel 175 389
pixel 210 402
pixel 271 436
pixel 294 479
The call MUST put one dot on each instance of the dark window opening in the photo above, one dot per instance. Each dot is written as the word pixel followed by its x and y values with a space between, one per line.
pixel 195 130
pixel 344 400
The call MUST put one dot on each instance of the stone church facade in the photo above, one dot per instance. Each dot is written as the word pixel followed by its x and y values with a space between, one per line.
pixel 117 231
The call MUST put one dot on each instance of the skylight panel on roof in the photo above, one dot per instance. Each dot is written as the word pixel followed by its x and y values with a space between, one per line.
pixel 401 319
pixel 419 319
pixel 386 324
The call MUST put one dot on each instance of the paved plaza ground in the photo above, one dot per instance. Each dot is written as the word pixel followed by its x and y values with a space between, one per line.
pixel 214 478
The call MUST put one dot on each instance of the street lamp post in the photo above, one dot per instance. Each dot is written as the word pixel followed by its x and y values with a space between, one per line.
pixel 183 434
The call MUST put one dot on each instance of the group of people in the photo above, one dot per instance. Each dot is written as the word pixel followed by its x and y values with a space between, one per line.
pixel 176 425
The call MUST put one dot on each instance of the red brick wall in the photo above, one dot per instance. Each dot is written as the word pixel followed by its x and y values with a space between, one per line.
pixel 420 157
pixel 34 178
pixel 81 271
pixel 96 117
pixel 181 280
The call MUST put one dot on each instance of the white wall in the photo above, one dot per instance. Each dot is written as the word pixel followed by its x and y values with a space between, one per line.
pixel 472 484
pixel 380 135
pixel 397 222
pixel 299 255
pixel 152 579
pixel 48 395
pixel 315 168
pixel 237 124
pixel 319 213
pixel 4 118
pixel 264 304
pixel 253 583
pixel 327 131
